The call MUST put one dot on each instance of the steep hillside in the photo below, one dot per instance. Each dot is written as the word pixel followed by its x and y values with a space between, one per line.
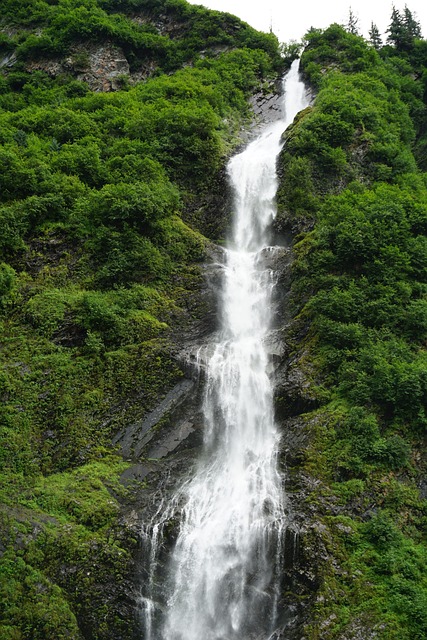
pixel 106 187
pixel 353 195
pixel 145 36
pixel 116 120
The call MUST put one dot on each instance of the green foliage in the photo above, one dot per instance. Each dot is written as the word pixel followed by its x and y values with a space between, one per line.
pixel 82 496
pixel 383 585
pixel 67 22
pixel 359 122
pixel 374 37
pixel 7 283
pixel 291 51
pixel 96 267
pixel 336 45
pixel 352 190
pixel 123 257
pixel 31 603
pixel 117 317
pixel 365 314
pixel 403 29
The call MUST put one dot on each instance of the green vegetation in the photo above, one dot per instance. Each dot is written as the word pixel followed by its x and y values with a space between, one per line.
pixel 102 218
pixel 51 29
pixel 99 262
pixel 353 191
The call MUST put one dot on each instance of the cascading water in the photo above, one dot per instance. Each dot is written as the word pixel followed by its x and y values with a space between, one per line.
pixel 224 578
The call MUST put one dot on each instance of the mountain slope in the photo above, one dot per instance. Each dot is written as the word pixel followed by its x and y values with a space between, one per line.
pixel 353 192
pixel 105 188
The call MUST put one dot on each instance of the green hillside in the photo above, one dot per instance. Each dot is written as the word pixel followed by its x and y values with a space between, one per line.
pixel 102 209
pixel 353 191
pixel 116 121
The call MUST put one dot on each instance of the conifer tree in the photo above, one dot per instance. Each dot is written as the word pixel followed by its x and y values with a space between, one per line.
pixel 353 21
pixel 396 29
pixel 412 26
pixel 374 37
pixel 403 29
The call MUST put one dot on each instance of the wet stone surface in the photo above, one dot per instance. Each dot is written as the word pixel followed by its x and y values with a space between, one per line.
pixel 134 437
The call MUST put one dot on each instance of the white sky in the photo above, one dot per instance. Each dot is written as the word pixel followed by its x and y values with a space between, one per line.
pixel 291 19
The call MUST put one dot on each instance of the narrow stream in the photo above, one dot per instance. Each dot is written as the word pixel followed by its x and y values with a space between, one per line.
pixel 224 573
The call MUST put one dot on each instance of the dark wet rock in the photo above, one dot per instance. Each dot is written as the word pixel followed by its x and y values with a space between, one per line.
pixel 358 629
pixel 267 106
pixel 423 489
pixel 295 438
pixel 178 435
pixel 135 436
pixel 275 345
pixel 275 258
pixel 208 322
pixel 210 212
pixel 135 474
pixel 293 390
pixel 267 103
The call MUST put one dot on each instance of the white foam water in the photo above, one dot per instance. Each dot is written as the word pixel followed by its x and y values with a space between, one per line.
pixel 224 573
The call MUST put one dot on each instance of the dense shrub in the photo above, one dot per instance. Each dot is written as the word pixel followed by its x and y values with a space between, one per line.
pixel 352 190
pixel 96 266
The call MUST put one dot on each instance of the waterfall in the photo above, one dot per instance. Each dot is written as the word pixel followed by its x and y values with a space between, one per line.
pixel 224 573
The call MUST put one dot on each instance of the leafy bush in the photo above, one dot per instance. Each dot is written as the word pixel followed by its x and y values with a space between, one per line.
pixel 7 282
pixel 359 297
pixel 31 601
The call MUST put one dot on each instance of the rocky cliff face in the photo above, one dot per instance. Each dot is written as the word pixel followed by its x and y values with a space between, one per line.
pixel 164 445
pixel 86 563
pixel 102 316
pixel 103 67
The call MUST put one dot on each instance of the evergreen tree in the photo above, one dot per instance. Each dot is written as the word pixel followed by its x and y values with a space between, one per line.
pixel 396 30
pixel 374 37
pixel 412 26
pixel 403 29
pixel 353 21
